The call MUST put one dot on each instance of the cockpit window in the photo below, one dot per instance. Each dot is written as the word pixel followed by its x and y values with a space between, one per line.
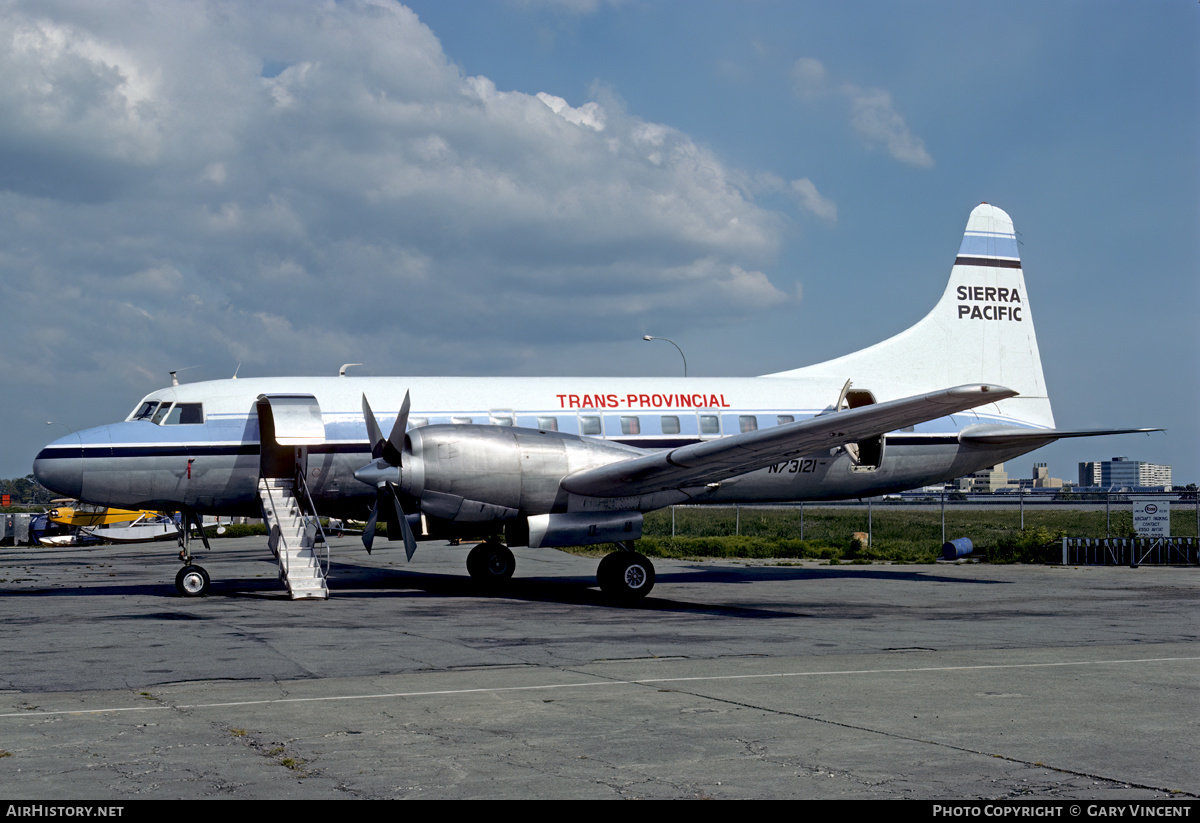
pixel 164 414
pixel 185 414
pixel 145 410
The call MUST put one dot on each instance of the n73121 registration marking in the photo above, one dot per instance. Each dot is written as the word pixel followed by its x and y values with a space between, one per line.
pixel 794 467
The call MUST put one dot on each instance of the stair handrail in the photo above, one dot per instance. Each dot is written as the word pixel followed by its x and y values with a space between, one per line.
pixel 301 484
pixel 281 546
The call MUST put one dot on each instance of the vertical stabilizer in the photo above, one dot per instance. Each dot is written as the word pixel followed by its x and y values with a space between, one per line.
pixel 981 331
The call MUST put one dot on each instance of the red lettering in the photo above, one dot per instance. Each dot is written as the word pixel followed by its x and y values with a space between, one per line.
pixel 573 400
pixel 562 400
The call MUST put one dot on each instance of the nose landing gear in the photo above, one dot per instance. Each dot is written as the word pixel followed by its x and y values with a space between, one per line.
pixel 192 581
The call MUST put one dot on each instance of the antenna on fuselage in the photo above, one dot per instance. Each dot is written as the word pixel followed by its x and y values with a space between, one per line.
pixel 174 379
pixel 342 370
pixel 235 371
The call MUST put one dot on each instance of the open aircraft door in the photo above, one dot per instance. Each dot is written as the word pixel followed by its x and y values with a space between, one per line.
pixel 287 425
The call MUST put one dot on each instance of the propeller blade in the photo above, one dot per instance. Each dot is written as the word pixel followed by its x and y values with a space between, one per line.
pixel 368 535
pixel 393 449
pixel 397 522
pixel 374 433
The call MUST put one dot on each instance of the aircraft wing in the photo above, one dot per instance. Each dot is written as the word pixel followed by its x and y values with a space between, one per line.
pixel 1013 436
pixel 712 461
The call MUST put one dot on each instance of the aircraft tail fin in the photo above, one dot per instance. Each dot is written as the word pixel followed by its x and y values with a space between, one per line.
pixel 981 331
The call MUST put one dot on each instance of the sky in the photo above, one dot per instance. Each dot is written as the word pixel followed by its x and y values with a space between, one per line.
pixel 527 187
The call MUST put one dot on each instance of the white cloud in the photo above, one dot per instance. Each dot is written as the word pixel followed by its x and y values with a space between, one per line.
pixel 808 77
pixel 295 186
pixel 589 114
pixel 876 120
pixel 872 114
pixel 803 190
pixel 812 200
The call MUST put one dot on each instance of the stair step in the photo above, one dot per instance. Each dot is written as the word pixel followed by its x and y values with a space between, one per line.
pixel 292 539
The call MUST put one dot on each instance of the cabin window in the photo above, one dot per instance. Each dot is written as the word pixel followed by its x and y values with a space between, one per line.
pixel 185 414
pixel 784 419
pixel 670 424
pixel 461 421
pixel 501 420
pixel 417 422
pixel 710 424
pixel 747 423
pixel 549 424
pixel 631 425
pixel 589 425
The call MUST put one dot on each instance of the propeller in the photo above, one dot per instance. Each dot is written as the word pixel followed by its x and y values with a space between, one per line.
pixel 383 473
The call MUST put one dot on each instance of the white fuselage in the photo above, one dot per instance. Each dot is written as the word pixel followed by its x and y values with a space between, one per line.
pixel 214 466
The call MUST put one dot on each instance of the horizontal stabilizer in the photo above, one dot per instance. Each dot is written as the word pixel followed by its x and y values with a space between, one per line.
pixel 1014 436
pixel 712 461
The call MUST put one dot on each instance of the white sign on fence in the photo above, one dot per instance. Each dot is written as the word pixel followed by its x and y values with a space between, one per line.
pixel 1152 518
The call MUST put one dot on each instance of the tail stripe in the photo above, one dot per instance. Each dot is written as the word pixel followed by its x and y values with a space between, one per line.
pixel 994 262
pixel 989 244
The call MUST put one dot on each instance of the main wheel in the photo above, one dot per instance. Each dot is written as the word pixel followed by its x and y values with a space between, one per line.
pixel 491 563
pixel 192 581
pixel 610 566
pixel 627 576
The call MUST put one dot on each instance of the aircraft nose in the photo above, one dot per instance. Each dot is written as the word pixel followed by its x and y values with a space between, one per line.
pixel 59 466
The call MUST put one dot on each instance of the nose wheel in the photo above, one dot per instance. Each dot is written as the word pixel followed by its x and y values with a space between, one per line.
pixel 192 581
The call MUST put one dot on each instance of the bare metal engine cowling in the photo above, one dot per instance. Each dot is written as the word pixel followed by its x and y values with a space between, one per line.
pixel 476 474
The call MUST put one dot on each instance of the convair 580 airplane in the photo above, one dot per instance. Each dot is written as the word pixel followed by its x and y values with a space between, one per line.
pixel 560 461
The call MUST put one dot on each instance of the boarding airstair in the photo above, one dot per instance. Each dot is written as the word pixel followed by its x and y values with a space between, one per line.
pixel 294 533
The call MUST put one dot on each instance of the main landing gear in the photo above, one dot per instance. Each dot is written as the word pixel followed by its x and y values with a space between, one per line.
pixel 491 562
pixel 625 575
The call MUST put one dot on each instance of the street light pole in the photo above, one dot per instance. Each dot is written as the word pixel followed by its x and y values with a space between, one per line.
pixel 648 337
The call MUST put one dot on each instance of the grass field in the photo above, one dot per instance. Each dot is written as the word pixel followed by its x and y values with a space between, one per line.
pixel 897 534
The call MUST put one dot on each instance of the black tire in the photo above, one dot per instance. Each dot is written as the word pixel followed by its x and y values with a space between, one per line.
pixel 628 577
pixel 610 566
pixel 491 563
pixel 192 581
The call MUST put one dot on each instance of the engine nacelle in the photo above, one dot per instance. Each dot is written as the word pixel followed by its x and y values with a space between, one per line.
pixel 583 528
pixel 496 473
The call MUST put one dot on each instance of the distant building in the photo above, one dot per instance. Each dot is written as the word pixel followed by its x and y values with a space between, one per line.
pixel 1123 472
pixel 983 481
pixel 1041 479
pixel 1089 473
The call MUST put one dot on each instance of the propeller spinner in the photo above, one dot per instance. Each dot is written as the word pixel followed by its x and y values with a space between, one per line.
pixel 383 473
